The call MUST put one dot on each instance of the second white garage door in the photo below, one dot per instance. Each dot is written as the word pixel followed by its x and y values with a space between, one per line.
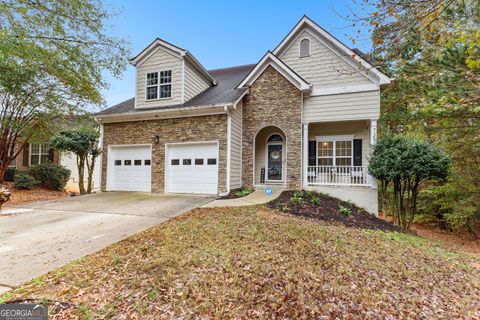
pixel 192 168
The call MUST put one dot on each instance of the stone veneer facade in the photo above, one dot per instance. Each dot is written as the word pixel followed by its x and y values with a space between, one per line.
pixel 192 129
pixel 273 101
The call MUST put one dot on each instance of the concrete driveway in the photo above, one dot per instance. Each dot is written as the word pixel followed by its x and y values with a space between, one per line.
pixel 42 236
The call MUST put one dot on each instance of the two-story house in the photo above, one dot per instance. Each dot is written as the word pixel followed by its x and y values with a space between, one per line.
pixel 304 116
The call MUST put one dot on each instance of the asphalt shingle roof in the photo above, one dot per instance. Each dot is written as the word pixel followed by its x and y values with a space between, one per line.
pixel 224 92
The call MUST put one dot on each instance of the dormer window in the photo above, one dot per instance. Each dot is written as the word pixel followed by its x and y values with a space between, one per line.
pixel 304 48
pixel 159 85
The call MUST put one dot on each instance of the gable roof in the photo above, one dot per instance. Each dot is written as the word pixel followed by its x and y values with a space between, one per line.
pixel 269 59
pixel 345 51
pixel 224 93
pixel 145 53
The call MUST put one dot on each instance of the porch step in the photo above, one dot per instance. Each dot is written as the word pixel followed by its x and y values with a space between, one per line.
pixel 274 187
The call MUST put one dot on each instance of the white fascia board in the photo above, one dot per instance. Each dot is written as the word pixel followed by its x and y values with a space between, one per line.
pixel 240 98
pixel 180 112
pixel 170 48
pixel 271 59
pixel 383 79
pixel 199 67
pixel 345 89
pixel 155 44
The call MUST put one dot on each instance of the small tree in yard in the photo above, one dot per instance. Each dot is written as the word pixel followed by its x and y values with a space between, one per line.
pixel 402 164
pixel 82 142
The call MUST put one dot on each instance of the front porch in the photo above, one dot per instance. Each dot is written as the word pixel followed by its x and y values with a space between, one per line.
pixel 337 153
pixel 336 157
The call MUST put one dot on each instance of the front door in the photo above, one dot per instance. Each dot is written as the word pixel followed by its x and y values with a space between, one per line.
pixel 275 162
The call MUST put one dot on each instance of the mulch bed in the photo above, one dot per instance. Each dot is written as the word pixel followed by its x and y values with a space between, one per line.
pixel 20 196
pixel 329 211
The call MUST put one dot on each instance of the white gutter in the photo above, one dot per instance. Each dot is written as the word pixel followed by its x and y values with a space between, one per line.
pixel 164 113
pixel 229 147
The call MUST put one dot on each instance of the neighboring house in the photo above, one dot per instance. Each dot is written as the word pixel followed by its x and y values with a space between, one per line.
pixel 33 154
pixel 304 116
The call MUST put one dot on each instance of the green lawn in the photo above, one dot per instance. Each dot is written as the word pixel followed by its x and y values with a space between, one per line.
pixel 253 263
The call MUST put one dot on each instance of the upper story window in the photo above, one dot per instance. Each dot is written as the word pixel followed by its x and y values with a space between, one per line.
pixel 304 48
pixel 159 85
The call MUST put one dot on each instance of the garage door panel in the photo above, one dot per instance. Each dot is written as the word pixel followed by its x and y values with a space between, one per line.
pixel 129 168
pixel 193 178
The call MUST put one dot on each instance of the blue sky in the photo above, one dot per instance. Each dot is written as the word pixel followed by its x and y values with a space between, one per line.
pixel 219 33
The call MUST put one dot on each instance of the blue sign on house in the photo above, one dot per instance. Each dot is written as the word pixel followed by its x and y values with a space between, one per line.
pixel 268 191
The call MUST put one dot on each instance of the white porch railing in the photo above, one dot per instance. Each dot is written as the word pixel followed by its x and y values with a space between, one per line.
pixel 338 175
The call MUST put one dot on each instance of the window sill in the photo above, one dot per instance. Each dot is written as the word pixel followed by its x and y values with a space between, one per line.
pixel 158 99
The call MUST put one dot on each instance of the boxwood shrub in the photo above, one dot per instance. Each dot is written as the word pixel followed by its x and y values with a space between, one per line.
pixel 51 175
pixel 24 180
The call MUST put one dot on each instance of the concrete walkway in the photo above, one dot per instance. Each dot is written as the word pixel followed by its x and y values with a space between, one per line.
pixel 256 197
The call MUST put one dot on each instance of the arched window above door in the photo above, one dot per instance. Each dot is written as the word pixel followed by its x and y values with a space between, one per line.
pixel 275 138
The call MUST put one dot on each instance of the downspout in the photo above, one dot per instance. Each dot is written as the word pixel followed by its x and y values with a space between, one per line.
pixel 229 146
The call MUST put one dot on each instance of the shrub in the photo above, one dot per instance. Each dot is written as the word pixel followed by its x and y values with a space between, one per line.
pixel 51 175
pixel 346 211
pixel 297 197
pixel 435 202
pixel 242 192
pixel 24 180
pixel 314 200
pixel 9 174
pixel 454 206
pixel 402 163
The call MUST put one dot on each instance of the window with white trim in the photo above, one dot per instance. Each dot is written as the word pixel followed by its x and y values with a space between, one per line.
pixel 39 153
pixel 332 152
pixel 159 85
pixel 304 48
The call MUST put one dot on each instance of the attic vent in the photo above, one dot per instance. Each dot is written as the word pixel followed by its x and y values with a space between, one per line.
pixel 304 48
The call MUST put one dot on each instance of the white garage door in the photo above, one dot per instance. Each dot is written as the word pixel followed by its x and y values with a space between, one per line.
pixel 192 168
pixel 129 168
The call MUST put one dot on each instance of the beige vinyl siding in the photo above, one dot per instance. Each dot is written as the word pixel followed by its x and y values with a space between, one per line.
pixel 359 129
pixel 323 68
pixel 338 107
pixel 160 60
pixel 236 147
pixel 70 162
pixel 194 82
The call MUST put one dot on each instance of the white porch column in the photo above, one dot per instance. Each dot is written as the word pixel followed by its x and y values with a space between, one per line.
pixel 305 155
pixel 373 141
